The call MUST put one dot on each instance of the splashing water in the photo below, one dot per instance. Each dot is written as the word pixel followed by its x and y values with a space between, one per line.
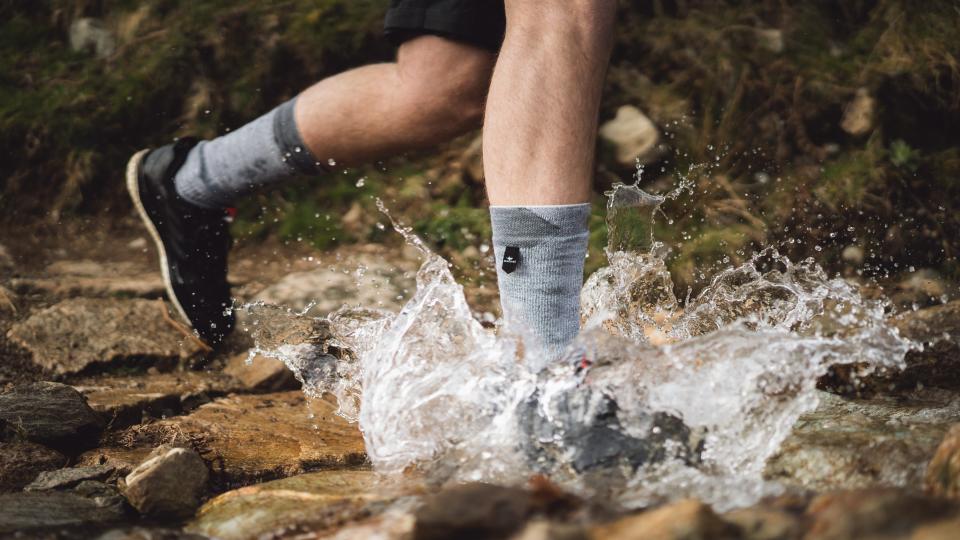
pixel 652 401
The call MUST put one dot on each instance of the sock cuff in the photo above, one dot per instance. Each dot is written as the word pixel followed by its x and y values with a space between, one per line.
pixel 517 223
pixel 291 145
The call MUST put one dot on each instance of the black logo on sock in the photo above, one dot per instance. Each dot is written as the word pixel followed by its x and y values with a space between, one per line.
pixel 511 259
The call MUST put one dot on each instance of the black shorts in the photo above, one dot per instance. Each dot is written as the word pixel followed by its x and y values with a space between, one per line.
pixel 477 22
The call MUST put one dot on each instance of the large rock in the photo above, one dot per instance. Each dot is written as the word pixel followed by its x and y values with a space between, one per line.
pixel 249 438
pixel 169 483
pixel 129 400
pixel 309 501
pixel 89 504
pixel 366 281
pixel 52 414
pixel 484 511
pixel 66 279
pixel 683 520
pixel 633 136
pixel 71 477
pixel 851 443
pixel 877 513
pixel 21 462
pixel 76 334
pixel 261 373
pixel 943 472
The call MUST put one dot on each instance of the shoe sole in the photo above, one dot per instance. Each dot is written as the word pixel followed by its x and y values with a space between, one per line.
pixel 133 187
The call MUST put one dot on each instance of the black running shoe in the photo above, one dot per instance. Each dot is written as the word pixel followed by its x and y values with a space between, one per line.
pixel 192 242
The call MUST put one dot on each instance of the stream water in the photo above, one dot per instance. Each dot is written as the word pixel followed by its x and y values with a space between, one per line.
pixel 656 399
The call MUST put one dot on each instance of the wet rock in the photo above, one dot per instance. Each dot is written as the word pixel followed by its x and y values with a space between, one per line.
pixel 90 503
pixel 125 401
pixel 169 483
pixel 759 523
pixel 262 374
pixel 143 533
pixel 52 414
pixel 937 365
pixel 484 511
pixel 851 443
pixel 248 438
pixel 943 472
pixel 105 285
pixel 71 477
pixel 76 334
pixel 859 114
pixel 686 519
pixel 308 501
pixel 89 34
pixel 272 327
pixel 876 513
pixel 633 136
pixel 21 462
pixel 123 460
pixel 948 529
pixel 376 285
pixel 923 287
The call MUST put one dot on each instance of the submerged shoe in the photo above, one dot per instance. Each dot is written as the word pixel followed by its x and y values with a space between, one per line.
pixel 192 242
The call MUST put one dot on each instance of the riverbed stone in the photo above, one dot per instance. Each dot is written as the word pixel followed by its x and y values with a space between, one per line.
pixel 123 460
pixel 261 374
pixel 90 503
pixel 682 520
pixel 169 483
pixel 873 513
pixel 67 279
pixel 80 333
pixel 249 438
pixel 128 400
pixel 148 533
pixel 21 462
pixel 51 414
pixel 947 529
pixel 309 501
pixel 861 443
pixel 71 477
pixel 762 523
pixel 943 473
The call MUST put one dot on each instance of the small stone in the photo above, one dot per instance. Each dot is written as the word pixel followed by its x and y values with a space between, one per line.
pixel 546 530
pixel 687 519
pixel 943 472
pixel 138 243
pixel 68 478
pixel 51 414
pixel 853 255
pixel 858 116
pixel 770 39
pixel 765 523
pixel 263 374
pixel 91 34
pixel 633 136
pixel 471 253
pixel 21 462
pixel 169 483
pixel 76 334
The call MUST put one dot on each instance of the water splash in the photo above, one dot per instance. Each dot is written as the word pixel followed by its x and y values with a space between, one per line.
pixel 652 401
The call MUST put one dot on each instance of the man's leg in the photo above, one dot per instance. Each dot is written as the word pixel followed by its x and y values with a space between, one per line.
pixel 434 91
pixel 538 147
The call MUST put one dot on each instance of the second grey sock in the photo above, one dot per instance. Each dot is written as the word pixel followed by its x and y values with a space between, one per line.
pixel 263 152
pixel 540 252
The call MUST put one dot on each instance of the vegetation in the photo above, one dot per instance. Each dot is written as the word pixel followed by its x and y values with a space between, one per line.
pixel 750 96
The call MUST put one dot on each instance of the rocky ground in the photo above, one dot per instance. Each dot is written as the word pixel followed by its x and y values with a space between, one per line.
pixel 115 423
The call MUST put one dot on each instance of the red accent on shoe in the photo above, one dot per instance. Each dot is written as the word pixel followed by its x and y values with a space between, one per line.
pixel 231 212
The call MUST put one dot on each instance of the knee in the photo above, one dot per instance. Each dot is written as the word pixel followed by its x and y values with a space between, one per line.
pixel 448 82
pixel 592 19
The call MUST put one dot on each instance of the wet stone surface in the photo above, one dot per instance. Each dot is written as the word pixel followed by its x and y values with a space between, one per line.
pixel 51 414
pixel 21 462
pixel 81 333
pixel 90 503
pixel 847 443
pixel 249 438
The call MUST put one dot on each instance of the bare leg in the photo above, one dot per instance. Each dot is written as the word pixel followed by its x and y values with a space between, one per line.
pixel 538 147
pixel 433 92
pixel 541 119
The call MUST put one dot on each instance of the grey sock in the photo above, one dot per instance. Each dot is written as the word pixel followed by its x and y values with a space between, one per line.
pixel 539 252
pixel 265 151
